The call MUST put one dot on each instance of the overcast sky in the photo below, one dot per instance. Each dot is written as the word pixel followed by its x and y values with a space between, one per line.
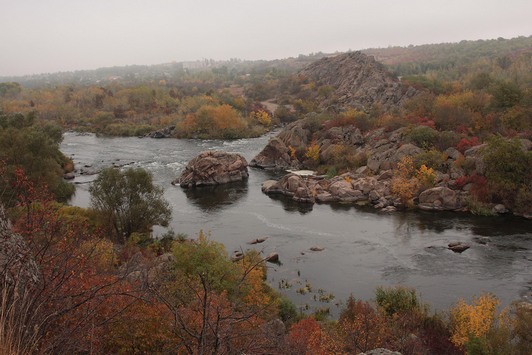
pixel 39 36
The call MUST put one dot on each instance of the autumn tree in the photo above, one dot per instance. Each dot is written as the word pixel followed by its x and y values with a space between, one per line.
pixel 144 327
pixel 300 335
pixel 313 151
pixel 473 320
pixel 59 279
pixel 216 306
pixel 361 327
pixel 404 184
pixel 129 201
pixel 262 117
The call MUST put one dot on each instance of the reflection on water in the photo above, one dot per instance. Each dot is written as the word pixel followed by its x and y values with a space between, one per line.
pixel 212 199
pixel 290 205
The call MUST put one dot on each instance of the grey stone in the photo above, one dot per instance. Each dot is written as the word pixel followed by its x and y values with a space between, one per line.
pixel 213 168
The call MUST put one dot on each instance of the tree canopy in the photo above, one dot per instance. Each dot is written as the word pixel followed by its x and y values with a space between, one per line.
pixel 35 149
pixel 130 201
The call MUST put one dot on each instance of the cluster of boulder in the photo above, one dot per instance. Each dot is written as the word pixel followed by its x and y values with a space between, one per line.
pixel 369 184
pixel 357 188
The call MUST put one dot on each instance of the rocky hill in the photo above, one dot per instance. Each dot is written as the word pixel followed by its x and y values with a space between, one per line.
pixel 358 81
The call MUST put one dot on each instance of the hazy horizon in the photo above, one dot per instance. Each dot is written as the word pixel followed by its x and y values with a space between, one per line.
pixel 68 35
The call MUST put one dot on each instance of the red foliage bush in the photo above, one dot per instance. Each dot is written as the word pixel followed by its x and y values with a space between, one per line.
pixel 340 121
pixel 479 188
pixel 422 121
pixel 466 143
pixel 300 334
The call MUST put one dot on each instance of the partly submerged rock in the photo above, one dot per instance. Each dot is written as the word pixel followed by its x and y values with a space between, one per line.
pixel 214 168
pixel 258 240
pixel 237 255
pixel 166 132
pixel 458 247
pixel 273 257
pixel 500 209
pixel 69 176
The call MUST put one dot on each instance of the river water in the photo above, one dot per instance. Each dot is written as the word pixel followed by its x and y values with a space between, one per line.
pixel 364 249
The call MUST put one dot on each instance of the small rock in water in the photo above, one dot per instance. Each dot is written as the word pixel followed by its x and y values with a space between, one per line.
pixel 273 257
pixel 389 209
pixel 500 209
pixel 317 248
pixel 258 240
pixel 69 176
pixel 458 247
pixel 237 255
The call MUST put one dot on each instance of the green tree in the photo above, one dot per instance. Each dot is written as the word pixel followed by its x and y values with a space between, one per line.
pixel 209 260
pixel 506 95
pixel 398 299
pixel 508 169
pixel 217 305
pixel 10 89
pixel 130 201
pixel 35 149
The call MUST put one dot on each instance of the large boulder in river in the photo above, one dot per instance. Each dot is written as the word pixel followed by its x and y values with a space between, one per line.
pixel 214 168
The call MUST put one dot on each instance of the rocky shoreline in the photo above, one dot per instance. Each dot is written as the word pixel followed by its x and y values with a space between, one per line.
pixel 369 184
pixel 359 189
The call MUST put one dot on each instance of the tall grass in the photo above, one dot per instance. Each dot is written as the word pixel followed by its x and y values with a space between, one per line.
pixel 17 335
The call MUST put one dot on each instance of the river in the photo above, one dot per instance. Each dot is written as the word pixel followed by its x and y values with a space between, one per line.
pixel 364 249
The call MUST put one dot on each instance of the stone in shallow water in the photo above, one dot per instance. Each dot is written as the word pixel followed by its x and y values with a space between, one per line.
pixel 273 257
pixel 458 247
pixel 258 240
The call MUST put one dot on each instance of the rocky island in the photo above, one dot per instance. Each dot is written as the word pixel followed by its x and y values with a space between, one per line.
pixel 213 168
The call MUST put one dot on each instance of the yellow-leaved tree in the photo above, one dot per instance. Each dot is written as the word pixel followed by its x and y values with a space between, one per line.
pixel 473 320
pixel 262 117
pixel 426 176
pixel 313 151
pixel 404 182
